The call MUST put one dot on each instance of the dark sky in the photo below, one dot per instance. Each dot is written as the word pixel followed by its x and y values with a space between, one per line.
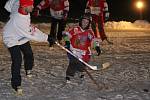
pixel 119 9
pixel 126 10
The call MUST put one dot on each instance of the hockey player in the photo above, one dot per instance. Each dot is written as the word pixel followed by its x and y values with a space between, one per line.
pixel 99 11
pixel 78 40
pixel 17 33
pixel 59 11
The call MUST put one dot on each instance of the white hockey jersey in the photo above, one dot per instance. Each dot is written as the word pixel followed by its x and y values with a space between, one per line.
pixel 18 31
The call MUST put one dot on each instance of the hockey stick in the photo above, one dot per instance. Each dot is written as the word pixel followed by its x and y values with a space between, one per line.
pixel 90 66
pixel 95 68
pixel 88 73
pixel 93 80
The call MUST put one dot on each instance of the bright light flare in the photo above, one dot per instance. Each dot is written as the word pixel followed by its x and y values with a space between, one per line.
pixel 139 4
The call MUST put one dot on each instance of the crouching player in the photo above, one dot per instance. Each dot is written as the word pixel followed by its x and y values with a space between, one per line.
pixel 79 41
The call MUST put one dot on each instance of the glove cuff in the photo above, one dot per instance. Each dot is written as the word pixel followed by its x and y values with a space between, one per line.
pixel 96 44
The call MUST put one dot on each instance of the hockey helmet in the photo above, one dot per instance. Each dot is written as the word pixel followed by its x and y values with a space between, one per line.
pixel 85 16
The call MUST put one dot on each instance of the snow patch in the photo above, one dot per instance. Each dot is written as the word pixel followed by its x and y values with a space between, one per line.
pixel 120 25
pixel 142 24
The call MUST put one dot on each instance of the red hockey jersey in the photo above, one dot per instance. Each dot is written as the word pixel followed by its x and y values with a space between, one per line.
pixel 97 7
pixel 80 42
pixel 57 7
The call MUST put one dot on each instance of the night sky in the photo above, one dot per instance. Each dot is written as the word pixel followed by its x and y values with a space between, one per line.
pixel 120 10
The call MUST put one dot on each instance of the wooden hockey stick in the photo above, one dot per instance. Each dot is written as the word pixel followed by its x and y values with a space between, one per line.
pixel 93 80
pixel 94 68
pixel 104 66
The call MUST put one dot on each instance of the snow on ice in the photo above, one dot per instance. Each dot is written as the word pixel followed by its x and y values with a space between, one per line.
pixel 128 77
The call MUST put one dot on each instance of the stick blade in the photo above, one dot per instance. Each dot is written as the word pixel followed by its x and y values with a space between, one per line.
pixel 105 65
pixel 94 67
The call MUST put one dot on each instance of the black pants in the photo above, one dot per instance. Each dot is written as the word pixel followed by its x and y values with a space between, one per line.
pixel 74 66
pixel 61 27
pixel 16 57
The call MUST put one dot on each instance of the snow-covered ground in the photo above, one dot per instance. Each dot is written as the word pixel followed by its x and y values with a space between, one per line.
pixel 128 77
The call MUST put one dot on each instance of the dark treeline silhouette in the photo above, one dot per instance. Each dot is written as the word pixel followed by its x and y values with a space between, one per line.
pixel 119 10
pixel 76 10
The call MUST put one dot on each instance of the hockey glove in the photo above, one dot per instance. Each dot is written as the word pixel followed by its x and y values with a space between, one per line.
pixel 98 50
pixel 51 40
pixel 67 45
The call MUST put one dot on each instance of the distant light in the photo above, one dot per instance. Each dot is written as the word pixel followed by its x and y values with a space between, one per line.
pixel 139 4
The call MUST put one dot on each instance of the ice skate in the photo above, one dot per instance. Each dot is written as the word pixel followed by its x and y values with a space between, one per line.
pixel 68 81
pixel 29 73
pixel 18 91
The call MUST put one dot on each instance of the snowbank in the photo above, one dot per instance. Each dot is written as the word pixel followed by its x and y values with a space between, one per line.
pixel 112 25
pixel 124 25
pixel 142 24
pixel 120 25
